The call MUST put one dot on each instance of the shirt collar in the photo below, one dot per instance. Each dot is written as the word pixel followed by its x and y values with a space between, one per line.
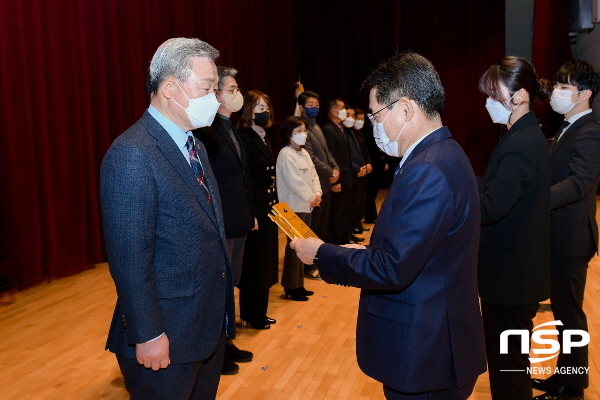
pixel 579 115
pixel 177 134
pixel 412 147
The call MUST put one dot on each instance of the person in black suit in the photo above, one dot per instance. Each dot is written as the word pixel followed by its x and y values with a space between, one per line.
pixel 337 142
pixel 165 240
pixel 514 251
pixel 261 257
pixel 575 174
pixel 227 158
pixel 379 165
pixel 360 180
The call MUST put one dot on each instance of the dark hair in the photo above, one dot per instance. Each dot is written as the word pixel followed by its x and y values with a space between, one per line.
pixel 304 96
pixel 251 99
pixel 408 75
pixel 580 74
pixel 515 73
pixel 331 104
pixel 287 126
pixel 359 111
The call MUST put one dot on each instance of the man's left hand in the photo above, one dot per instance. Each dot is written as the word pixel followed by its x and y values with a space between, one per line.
pixel 306 249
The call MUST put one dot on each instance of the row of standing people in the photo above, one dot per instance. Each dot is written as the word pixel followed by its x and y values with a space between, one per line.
pixel 243 161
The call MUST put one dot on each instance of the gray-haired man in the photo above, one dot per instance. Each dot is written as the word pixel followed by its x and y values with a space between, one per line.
pixel 164 235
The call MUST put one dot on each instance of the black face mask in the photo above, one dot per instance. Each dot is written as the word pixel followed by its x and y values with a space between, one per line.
pixel 261 119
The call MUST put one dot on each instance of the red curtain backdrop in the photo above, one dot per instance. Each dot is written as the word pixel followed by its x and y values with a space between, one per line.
pixel 72 75
pixel 551 49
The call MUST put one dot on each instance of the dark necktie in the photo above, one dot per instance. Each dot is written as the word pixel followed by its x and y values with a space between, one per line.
pixel 196 166
pixel 561 128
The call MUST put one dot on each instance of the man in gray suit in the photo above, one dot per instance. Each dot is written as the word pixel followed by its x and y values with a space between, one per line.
pixel 326 167
pixel 164 235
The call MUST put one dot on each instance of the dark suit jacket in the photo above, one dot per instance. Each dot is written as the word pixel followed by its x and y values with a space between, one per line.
pixel 337 142
pixel 419 326
pixel 575 174
pixel 165 245
pixel 514 257
pixel 356 154
pixel 316 146
pixel 228 168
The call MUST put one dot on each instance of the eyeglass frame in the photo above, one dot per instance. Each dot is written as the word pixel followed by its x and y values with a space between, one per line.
pixel 372 116
pixel 233 91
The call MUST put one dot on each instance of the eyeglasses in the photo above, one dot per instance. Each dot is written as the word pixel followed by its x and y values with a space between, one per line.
pixel 233 91
pixel 372 116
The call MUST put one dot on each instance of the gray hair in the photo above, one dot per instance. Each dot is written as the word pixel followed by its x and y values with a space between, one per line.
pixel 173 58
pixel 225 71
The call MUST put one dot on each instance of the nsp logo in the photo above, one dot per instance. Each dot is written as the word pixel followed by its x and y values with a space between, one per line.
pixel 537 337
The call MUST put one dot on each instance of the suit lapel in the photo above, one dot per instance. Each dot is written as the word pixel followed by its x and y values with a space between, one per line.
pixel 169 149
pixel 571 129
pixel 220 128
pixel 262 146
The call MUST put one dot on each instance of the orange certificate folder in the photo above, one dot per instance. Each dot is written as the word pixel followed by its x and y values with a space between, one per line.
pixel 290 223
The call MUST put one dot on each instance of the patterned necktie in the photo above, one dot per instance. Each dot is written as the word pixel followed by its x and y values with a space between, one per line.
pixel 196 166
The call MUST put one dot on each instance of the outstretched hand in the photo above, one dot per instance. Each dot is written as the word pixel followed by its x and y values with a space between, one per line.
pixel 306 249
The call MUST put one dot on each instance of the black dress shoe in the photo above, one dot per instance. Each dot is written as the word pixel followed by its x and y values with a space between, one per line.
pixel 357 231
pixel 271 321
pixel 561 393
pixel 545 385
pixel 307 292
pixel 296 294
pixel 235 354
pixel 229 367
pixel 365 229
pixel 357 239
pixel 257 325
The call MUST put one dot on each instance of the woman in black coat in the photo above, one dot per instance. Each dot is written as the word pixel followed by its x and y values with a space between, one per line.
pixel 261 256
pixel 514 263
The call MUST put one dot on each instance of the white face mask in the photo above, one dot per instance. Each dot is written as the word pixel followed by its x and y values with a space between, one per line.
pixel 383 141
pixel 341 114
pixel 561 101
pixel 300 138
pixel 358 124
pixel 500 112
pixel 348 122
pixel 201 111
pixel 233 102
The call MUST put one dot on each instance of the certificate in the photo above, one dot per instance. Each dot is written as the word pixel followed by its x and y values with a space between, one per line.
pixel 289 222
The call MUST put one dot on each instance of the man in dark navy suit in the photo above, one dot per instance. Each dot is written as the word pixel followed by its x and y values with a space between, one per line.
pixel 574 174
pixel 419 329
pixel 164 233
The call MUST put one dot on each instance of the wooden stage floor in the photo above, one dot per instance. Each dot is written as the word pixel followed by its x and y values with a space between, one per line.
pixel 52 345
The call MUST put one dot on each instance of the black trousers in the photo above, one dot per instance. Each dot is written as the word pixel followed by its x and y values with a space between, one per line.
pixel 253 305
pixel 338 214
pixel 359 194
pixel 569 275
pixel 374 180
pixel 454 393
pixel 197 381
pixel 507 385
pixel 320 217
